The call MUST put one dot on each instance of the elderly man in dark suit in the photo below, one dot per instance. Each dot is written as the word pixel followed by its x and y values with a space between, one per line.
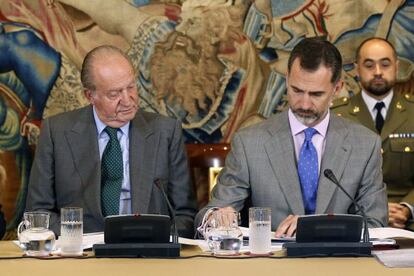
pixel 280 163
pixel 105 157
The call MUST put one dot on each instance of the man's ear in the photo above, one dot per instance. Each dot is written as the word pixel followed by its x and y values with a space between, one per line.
pixel 338 87
pixel 356 70
pixel 89 95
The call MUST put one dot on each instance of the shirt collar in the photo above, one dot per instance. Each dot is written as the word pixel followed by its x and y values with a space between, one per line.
pixel 297 127
pixel 370 101
pixel 100 126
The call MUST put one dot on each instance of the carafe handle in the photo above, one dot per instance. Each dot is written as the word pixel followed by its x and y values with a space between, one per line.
pixel 20 228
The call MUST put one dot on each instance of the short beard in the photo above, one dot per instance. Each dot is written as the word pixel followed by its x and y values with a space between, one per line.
pixel 378 90
pixel 309 119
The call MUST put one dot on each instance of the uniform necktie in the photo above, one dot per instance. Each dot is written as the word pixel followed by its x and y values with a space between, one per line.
pixel 308 171
pixel 379 120
pixel 112 174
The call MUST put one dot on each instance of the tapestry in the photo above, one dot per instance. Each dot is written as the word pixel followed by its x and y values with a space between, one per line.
pixel 216 65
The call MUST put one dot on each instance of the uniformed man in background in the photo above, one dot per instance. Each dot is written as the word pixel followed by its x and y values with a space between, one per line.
pixel 391 115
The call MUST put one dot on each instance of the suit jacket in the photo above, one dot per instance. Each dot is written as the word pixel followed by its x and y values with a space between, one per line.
pixel 262 169
pixel 2 224
pixel 67 169
pixel 397 138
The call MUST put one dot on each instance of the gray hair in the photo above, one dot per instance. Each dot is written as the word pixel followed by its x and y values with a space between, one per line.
pixel 88 63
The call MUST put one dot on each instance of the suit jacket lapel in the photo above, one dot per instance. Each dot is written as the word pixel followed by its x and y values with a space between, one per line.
pixel 335 157
pixel 281 153
pixel 396 116
pixel 83 142
pixel 142 162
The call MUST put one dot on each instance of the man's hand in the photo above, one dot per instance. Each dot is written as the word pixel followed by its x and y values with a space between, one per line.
pixel 398 215
pixel 217 217
pixel 287 227
pixel 223 217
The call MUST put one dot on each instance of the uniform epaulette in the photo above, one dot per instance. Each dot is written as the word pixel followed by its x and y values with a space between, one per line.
pixel 340 102
pixel 409 97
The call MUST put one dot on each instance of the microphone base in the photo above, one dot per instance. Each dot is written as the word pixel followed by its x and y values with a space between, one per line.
pixel 136 250
pixel 328 249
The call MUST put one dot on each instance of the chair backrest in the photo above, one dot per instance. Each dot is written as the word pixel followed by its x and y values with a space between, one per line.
pixel 206 161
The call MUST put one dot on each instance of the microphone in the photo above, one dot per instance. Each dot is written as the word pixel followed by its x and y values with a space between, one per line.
pixel 145 235
pixel 330 175
pixel 160 185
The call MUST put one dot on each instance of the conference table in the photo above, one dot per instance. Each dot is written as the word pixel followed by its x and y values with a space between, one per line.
pixel 204 264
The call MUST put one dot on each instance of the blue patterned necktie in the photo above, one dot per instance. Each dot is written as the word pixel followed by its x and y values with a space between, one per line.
pixel 308 171
pixel 112 174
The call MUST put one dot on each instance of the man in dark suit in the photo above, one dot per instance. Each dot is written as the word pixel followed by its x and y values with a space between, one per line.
pixel 105 157
pixel 280 163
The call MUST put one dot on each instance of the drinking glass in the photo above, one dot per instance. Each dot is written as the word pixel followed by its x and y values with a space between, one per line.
pixel 259 230
pixel 71 231
pixel 35 238
pixel 223 234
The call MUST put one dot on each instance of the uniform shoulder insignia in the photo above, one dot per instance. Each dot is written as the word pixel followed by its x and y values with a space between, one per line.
pixel 343 101
pixel 409 97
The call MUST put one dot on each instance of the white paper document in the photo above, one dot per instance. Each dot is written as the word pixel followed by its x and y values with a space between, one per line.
pixel 375 234
pixel 388 232
pixel 92 238
pixel 396 258
pixel 244 248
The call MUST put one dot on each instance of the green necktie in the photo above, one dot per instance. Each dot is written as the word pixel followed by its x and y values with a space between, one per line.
pixel 112 174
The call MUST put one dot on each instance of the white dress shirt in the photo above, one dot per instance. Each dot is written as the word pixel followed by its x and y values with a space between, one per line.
pixel 123 137
pixel 371 102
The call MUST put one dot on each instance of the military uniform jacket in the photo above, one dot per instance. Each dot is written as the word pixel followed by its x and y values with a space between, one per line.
pixel 397 138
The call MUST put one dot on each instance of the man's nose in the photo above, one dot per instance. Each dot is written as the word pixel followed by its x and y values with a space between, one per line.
pixel 125 96
pixel 306 102
pixel 378 70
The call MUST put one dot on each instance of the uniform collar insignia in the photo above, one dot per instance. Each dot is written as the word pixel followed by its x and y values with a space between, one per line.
pixel 356 109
